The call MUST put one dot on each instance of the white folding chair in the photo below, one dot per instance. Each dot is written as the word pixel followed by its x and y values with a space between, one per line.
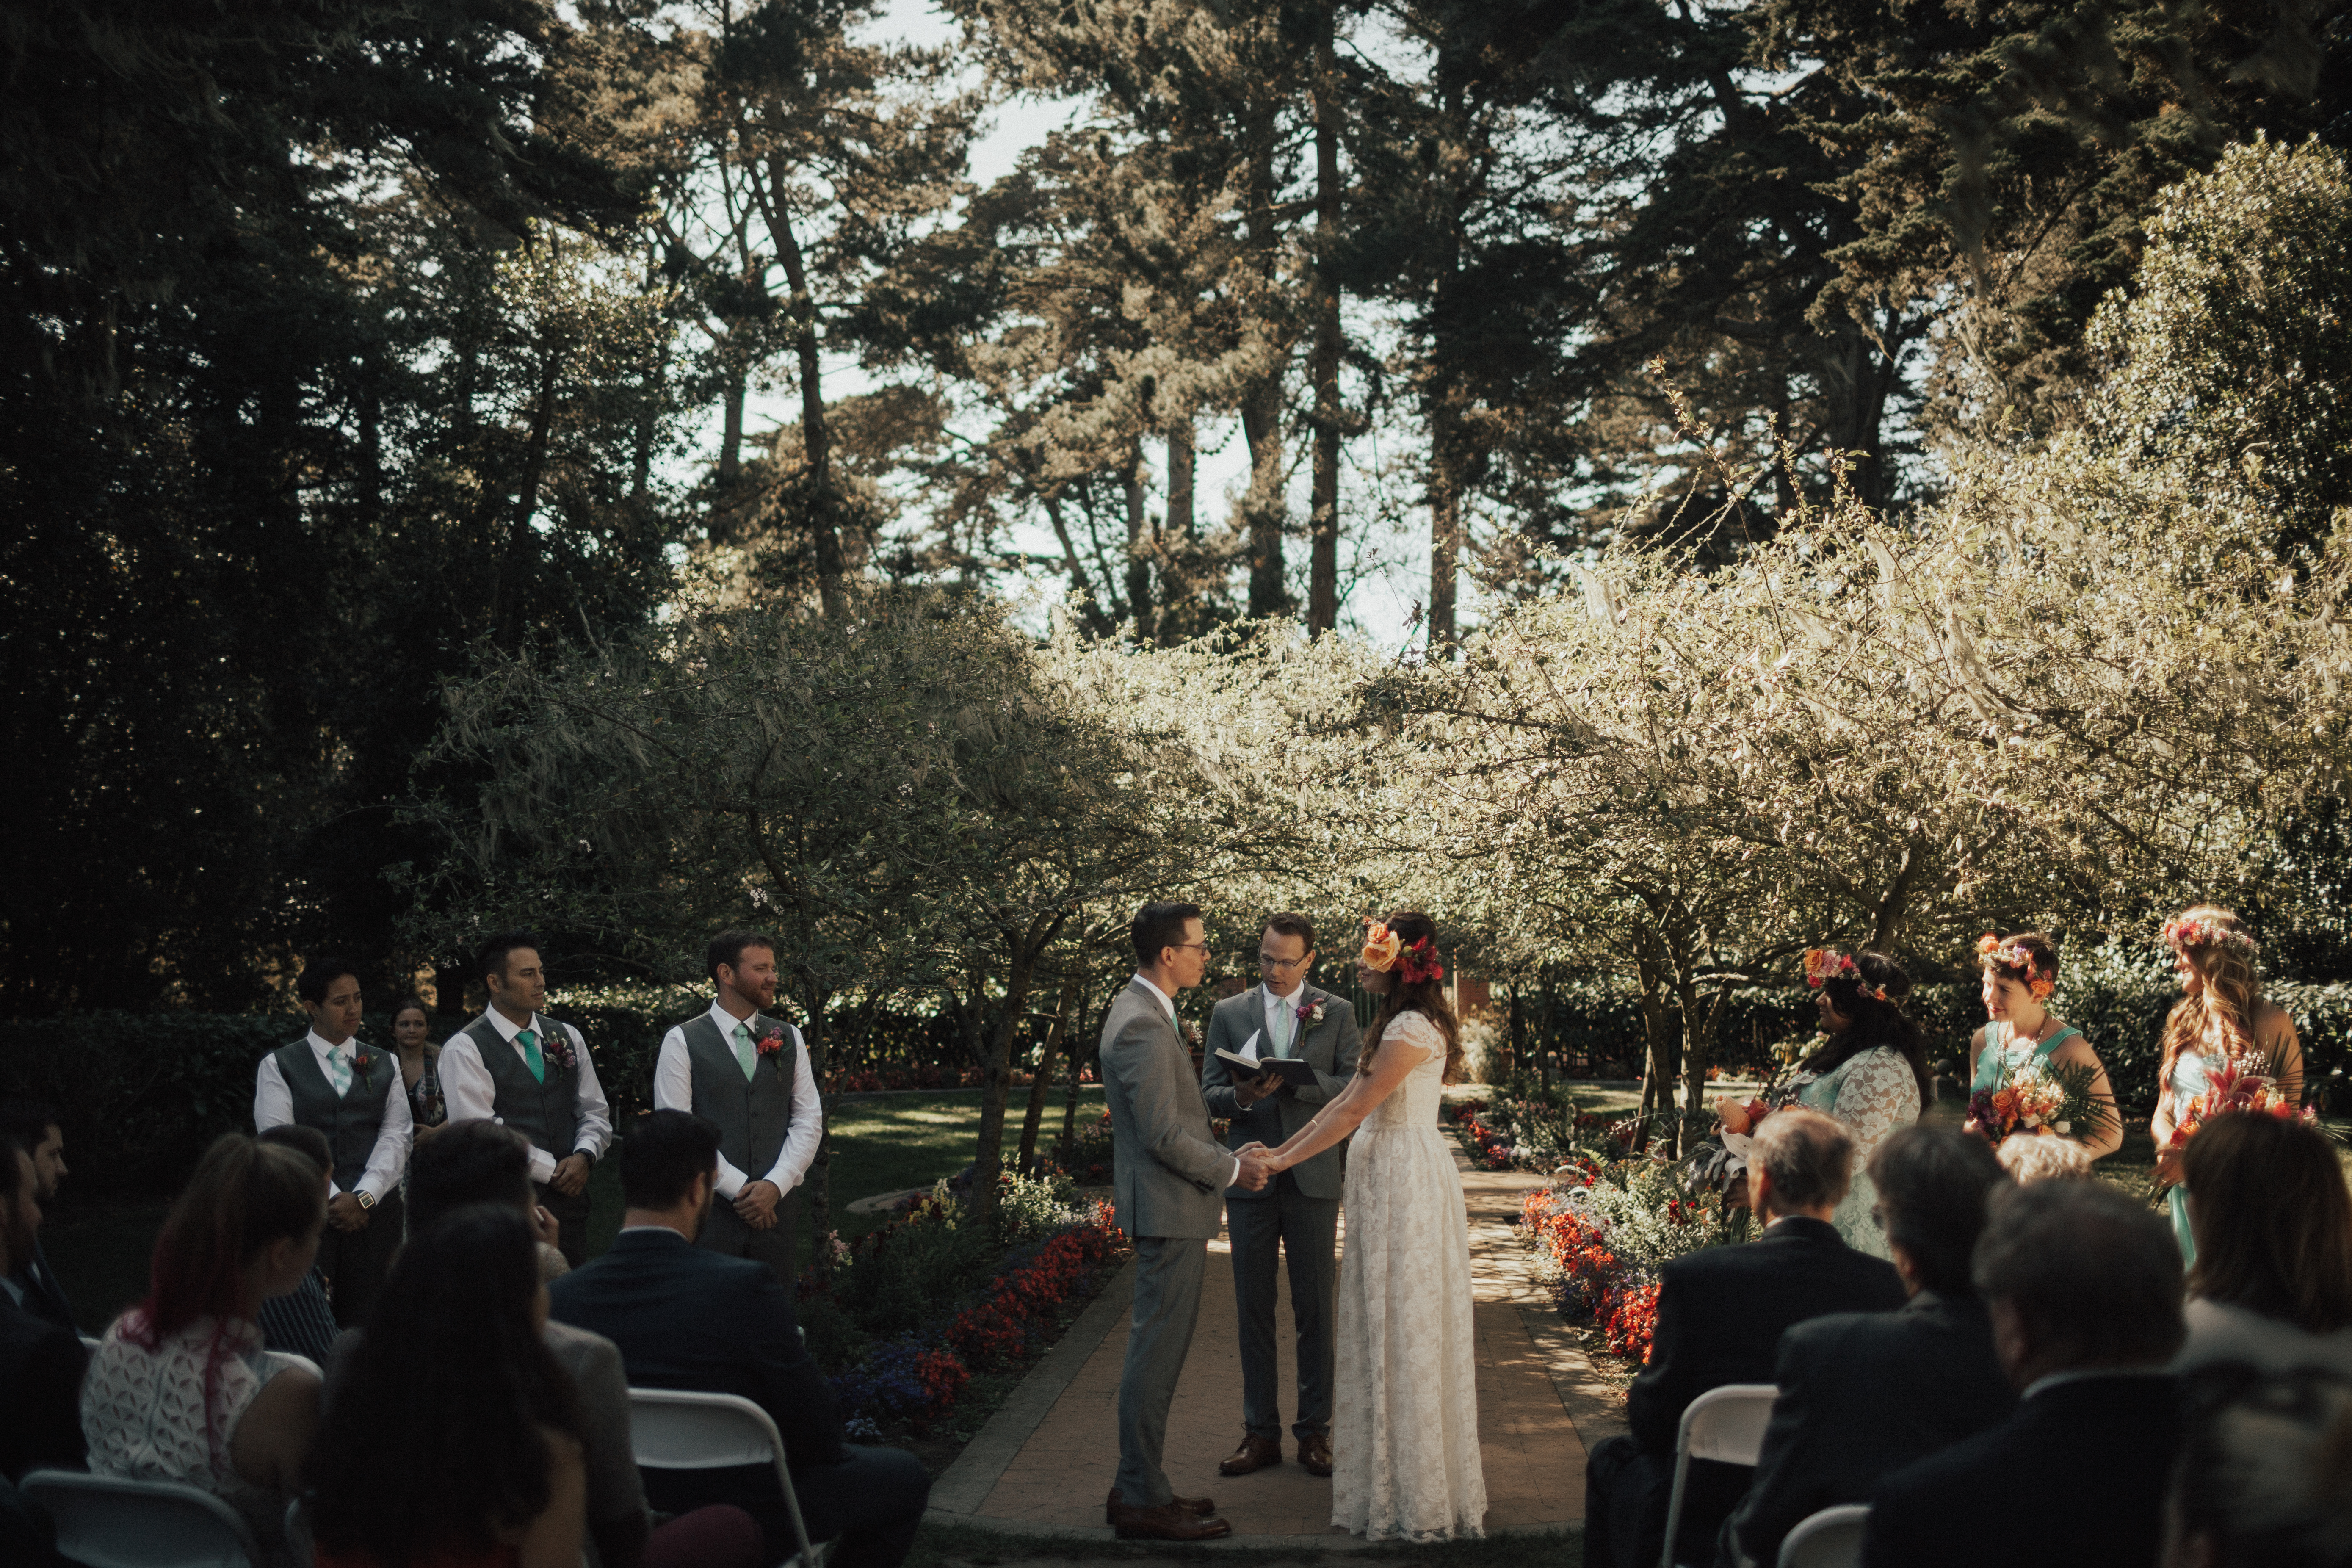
pixel 673 1429
pixel 1829 1539
pixel 1726 1424
pixel 107 1521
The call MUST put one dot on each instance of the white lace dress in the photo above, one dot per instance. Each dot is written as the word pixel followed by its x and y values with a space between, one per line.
pixel 1404 1423
pixel 1873 1092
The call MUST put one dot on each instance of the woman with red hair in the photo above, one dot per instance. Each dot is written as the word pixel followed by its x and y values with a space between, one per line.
pixel 181 1389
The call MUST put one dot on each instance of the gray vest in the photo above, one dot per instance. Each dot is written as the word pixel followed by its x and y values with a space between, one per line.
pixel 547 1114
pixel 752 1117
pixel 351 1121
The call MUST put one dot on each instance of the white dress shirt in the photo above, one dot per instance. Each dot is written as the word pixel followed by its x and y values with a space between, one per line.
pixel 470 1094
pixel 674 1091
pixel 273 1106
pixel 1282 1017
pixel 1167 1001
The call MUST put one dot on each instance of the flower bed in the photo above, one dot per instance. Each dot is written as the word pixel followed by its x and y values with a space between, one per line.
pixel 1525 1128
pixel 1605 1228
pixel 916 1312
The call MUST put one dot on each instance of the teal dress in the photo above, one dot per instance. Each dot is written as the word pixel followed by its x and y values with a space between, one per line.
pixel 2193 1074
pixel 1874 1093
pixel 2004 1052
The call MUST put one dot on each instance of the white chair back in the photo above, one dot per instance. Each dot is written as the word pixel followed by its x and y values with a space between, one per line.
pixel 1829 1539
pixel 675 1429
pixel 1726 1424
pixel 107 1521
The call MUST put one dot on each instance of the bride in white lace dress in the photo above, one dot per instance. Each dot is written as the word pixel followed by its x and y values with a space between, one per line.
pixel 1404 1425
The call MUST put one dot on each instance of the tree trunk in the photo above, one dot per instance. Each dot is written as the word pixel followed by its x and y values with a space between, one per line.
pixel 824 518
pixel 1083 1044
pixel 997 1071
pixel 1042 1078
pixel 1657 1075
pixel 731 433
pixel 1323 508
pixel 1181 523
pixel 1445 555
pixel 1261 505
pixel 1138 550
pixel 506 613
pixel 818 1038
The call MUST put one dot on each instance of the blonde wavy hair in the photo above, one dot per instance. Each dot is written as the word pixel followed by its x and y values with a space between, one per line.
pixel 2228 999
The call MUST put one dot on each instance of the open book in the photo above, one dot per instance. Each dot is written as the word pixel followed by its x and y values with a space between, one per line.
pixel 1292 1071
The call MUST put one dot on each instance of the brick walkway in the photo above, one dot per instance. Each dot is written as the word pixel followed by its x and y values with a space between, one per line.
pixel 1046 1461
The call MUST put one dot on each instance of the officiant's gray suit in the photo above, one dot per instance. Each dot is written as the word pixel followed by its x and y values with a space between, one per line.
pixel 1298 1212
pixel 1168 1178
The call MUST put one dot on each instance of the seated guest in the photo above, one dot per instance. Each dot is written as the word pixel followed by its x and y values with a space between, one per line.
pixel 473 1163
pixel 302 1322
pixel 688 1318
pixel 35 1125
pixel 182 1388
pixel 41 1364
pixel 2272 1223
pixel 2030 1157
pixel 2265 1473
pixel 1720 1317
pixel 452 1376
pixel 1862 1393
pixel 2084 1287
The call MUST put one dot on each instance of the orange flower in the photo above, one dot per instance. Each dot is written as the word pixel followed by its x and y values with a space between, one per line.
pixel 1381 946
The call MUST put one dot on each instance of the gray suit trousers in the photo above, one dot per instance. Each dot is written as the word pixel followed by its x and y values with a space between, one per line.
pixel 1308 1231
pixel 1168 1275
pixel 724 1231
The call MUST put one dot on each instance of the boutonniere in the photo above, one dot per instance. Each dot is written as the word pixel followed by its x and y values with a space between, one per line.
pixel 1192 1033
pixel 555 1045
pixel 771 1044
pixel 1310 1014
pixel 361 1062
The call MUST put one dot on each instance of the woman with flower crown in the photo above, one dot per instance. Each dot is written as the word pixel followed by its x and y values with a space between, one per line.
pixel 2021 971
pixel 1404 1418
pixel 2221 1021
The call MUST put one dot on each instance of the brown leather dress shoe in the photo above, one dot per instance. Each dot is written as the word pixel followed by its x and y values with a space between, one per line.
pixel 1315 1454
pixel 1169 1521
pixel 1195 1505
pixel 1254 1454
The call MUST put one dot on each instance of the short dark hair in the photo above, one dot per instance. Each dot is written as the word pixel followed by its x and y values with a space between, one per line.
pixel 11 1172
pixel 663 1154
pixel 493 960
pixel 28 1120
pixel 468 1163
pixel 1932 1186
pixel 1291 924
pixel 1158 926
pixel 2265 1466
pixel 1808 1155
pixel 320 972
pixel 727 947
pixel 307 1142
pixel 2094 1276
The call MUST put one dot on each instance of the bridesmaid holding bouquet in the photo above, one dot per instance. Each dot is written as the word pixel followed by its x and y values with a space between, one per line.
pixel 2019 974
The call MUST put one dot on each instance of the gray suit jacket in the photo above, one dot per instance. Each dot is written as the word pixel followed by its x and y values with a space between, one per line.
pixel 1168 1175
pixel 1330 1048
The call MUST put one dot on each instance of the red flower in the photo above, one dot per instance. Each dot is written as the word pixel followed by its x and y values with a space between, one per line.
pixel 771 1043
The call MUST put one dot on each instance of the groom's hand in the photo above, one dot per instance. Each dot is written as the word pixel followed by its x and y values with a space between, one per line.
pixel 1257 1167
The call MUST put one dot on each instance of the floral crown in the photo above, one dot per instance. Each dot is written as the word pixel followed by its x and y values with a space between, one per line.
pixel 1384 951
pixel 1991 953
pixel 1824 965
pixel 2204 931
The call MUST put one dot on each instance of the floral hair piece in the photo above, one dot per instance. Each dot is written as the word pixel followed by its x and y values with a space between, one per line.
pixel 2204 931
pixel 1419 963
pixel 1384 949
pixel 1824 965
pixel 1991 953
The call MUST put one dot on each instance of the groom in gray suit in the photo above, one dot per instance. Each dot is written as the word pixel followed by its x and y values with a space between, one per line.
pixel 1298 1212
pixel 1167 1174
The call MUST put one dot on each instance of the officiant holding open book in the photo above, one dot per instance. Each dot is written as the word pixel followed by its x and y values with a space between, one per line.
pixel 1307 1042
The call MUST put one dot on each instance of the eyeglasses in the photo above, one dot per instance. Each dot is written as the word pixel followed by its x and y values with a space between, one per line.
pixel 1267 961
pixel 1204 948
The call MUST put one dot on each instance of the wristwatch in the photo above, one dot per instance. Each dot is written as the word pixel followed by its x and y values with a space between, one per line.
pixel 366 1198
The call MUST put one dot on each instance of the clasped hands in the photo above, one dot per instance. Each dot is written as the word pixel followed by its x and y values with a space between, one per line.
pixel 1260 1164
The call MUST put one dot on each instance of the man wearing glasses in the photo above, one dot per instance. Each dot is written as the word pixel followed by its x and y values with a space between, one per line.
pixel 1298 1210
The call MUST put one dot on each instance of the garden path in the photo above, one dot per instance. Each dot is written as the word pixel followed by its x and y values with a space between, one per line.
pixel 1043 1463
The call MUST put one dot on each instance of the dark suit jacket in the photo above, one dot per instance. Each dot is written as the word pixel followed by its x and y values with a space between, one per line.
pixel 1721 1313
pixel 44 1297
pixel 1863 1394
pixel 2074 1478
pixel 688 1317
pixel 41 1368
pixel 1330 1048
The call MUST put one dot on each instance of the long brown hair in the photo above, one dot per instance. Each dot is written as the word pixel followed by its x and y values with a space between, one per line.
pixel 2272 1220
pixel 1425 996
pixel 2229 994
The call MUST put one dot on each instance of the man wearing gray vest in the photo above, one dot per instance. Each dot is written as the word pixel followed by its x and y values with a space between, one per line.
pixel 1297 1213
pixel 749 1073
pixel 353 1095
pixel 515 1066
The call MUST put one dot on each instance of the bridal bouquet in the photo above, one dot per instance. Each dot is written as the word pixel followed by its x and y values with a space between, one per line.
pixel 2040 1097
pixel 2234 1086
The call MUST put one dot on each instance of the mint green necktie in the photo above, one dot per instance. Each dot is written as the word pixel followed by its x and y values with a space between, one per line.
pixel 532 1059
pixel 1284 1027
pixel 339 1070
pixel 744 1055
